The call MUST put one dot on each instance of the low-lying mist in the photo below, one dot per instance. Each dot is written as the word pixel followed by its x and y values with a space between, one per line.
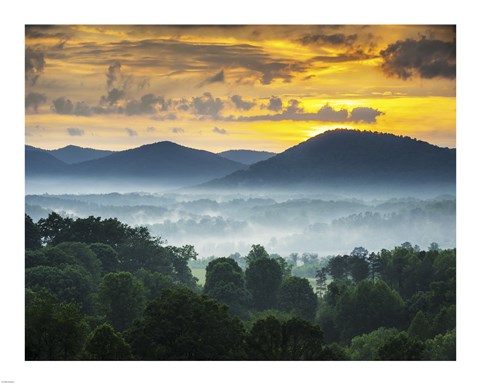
pixel 222 223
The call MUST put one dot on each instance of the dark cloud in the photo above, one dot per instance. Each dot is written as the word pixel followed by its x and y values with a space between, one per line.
pixel 181 105
pixel 364 115
pixel 83 109
pixel 424 58
pixel 63 106
pixel 34 65
pixel 148 104
pixel 168 116
pixel 113 74
pixel 344 57
pixel 325 114
pixel 33 100
pixel 274 104
pixel 113 97
pixel 75 131
pixel 207 105
pixel 334 39
pixel 242 104
pixel 217 78
pixel 131 132
pixel 178 130
pixel 220 131
pixel 180 56
pixel 293 107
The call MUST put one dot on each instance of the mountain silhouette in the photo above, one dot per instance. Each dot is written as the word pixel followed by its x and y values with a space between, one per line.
pixel 72 154
pixel 353 158
pixel 41 163
pixel 156 162
pixel 246 156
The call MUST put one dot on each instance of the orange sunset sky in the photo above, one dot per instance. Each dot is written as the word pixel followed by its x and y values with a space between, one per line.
pixel 264 87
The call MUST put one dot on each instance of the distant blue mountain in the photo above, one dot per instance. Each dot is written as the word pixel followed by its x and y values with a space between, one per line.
pixel 246 156
pixel 72 154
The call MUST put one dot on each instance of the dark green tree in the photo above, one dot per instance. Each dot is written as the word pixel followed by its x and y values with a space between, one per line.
pixel 84 257
pixel 224 281
pixel 401 348
pixel 55 229
pixel 420 328
pixel 296 296
pixel 294 339
pixel 154 283
pixel 338 267
pixel 53 331
pixel 263 278
pixel 321 280
pixel 70 283
pixel 364 347
pixel 106 344
pixel 121 299
pixel 441 347
pixel 366 307
pixel 181 325
pixel 257 252
pixel 108 257
pixel 358 268
pixel 33 238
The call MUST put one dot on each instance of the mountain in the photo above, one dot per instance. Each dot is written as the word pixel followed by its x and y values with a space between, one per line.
pixel 245 156
pixel 350 158
pixel 163 161
pixel 72 154
pixel 41 163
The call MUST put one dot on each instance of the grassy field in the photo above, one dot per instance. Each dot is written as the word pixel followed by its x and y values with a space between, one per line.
pixel 199 273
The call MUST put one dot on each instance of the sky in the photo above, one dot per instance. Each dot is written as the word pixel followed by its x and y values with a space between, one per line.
pixel 220 87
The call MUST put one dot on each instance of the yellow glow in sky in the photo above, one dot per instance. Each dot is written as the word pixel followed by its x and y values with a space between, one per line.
pixel 251 87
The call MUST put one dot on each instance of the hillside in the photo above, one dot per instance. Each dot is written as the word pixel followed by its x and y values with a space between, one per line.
pixel 350 158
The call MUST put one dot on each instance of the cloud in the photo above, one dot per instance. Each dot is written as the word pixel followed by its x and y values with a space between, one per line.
pixel 34 65
pixel 144 83
pixel 365 115
pixel 148 104
pixel 293 107
pixel 220 131
pixel 168 116
pixel 207 105
pixel 113 74
pixel 113 97
pixel 178 130
pixel 217 78
pixel 325 114
pixel 75 131
pixel 334 39
pixel 424 58
pixel 63 106
pixel 131 132
pixel 151 129
pixel 33 100
pixel 274 104
pixel 242 104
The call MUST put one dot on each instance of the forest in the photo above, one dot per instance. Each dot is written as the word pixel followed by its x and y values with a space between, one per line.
pixel 100 289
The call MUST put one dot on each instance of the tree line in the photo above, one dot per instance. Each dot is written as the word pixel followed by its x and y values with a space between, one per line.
pixel 98 289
